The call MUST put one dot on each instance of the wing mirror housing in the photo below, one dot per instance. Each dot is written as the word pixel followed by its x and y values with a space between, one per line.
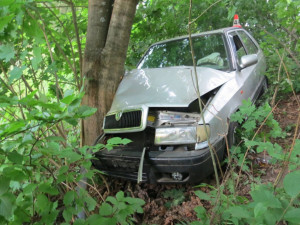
pixel 248 60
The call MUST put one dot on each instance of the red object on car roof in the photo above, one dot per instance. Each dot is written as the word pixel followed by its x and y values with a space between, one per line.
pixel 236 21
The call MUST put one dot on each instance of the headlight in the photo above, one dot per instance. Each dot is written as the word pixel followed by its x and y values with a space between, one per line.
pixel 180 135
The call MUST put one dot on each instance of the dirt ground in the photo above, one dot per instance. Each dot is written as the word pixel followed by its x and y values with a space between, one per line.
pixel 162 209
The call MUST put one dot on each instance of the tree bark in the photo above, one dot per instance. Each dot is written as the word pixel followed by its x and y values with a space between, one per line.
pixel 109 27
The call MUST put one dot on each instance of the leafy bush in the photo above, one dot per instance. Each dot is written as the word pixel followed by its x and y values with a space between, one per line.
pixel 267 203
pixel 40 172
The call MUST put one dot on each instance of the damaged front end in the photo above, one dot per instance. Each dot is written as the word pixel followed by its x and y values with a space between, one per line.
pixel 174 139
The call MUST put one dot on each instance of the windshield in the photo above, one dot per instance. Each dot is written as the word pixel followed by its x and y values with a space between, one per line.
pixel 209 51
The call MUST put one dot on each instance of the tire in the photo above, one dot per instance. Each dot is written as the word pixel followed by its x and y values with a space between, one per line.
pixel 233 137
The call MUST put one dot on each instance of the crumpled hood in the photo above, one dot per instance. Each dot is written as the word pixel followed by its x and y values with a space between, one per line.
pixel 165 87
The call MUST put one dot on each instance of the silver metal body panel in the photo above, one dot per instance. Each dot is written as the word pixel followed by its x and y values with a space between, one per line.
pixel 165 87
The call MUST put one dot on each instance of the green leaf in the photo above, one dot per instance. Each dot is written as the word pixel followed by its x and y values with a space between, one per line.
pixel 259 210
pixel 86 111
pixel 42 203
pixel 63 169
pixel 97 219
pixel 79 222
pixel 135 201
pixel 15 157
pixel 20 217
pixel 231 12
pixel 112 200
pixel 4 21
pixel 202 195
pixel 38 57
pixel 239 212
pixel 72 156
pixel 74 105
pixel 126 141
pixel 291 183
pixel 201 212
pixel 16 73
pixel 14 174
pixel 67 214
pixel 69 197
pixel 6 206
pixel 106 209
pixel 55 138
pixel 4 184
pixel 6 2
pixel 293 215
pixel 120 196
pixel 47 188
pixel 29 189
pixel 91 203
pixel 72 121
pixel 265 195
pixel 68 99
pixel 7 52
pixel 117 141
pixel 54 147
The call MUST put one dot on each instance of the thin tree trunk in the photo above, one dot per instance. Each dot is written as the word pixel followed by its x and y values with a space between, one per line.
pixel 105 54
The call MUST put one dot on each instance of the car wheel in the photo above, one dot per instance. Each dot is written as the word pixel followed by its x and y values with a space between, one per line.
pixel 233 136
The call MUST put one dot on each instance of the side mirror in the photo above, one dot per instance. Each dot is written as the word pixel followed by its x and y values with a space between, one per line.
pixel 248 60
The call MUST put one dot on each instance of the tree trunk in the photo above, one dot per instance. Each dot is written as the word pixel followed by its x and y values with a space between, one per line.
pixel 109 26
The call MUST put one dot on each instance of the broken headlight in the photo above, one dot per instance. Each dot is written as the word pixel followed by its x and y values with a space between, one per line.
pixel 177 128
pixel 181 135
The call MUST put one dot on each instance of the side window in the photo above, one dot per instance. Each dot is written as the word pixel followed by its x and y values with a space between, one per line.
pixel 251 47
pixel 239 47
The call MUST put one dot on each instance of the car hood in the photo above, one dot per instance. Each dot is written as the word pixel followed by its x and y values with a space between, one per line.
pixel 165 87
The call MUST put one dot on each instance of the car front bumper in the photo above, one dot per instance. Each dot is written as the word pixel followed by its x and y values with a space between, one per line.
pixel 159 166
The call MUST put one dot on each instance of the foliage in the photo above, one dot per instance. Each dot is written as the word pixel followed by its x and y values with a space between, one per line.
pixel 117 210
pixel 267 203
pixel 40 172
pixel 255 137
pixel 175 196
pixel 254 117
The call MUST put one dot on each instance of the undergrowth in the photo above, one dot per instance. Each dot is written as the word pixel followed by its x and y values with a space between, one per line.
pixel 268 203
pixel 41 178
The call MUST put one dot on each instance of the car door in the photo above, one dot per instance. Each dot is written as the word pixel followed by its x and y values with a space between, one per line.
pixel 247 78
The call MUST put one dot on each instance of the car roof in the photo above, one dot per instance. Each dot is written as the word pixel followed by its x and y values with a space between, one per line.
pixel 222 30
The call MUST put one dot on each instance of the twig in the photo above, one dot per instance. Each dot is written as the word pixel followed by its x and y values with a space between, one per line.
pixel 42 27
pixel 283 44
pixel 285 210
pixel 278 79
pixel 288 76
pixel 77 37
pixel 286 162
pixel 70 42
pixel 198 95
pixel 193 21
pixel 106 184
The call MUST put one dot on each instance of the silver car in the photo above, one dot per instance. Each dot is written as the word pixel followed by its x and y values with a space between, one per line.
pixel 156 106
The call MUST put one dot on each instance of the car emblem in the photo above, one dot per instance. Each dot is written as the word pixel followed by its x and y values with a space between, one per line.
pixel 118 116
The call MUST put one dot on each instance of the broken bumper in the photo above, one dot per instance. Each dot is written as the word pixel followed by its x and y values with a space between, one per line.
pixel 159 166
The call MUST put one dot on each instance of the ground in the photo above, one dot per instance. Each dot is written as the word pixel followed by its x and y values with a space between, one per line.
pixel 174 204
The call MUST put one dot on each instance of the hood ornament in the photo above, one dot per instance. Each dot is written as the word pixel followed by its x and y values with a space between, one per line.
pixel 118 115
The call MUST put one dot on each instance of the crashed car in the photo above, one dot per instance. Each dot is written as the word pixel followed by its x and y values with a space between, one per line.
pixel 156 106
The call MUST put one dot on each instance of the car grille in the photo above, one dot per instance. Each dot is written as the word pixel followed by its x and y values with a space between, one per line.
pixel 129 119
